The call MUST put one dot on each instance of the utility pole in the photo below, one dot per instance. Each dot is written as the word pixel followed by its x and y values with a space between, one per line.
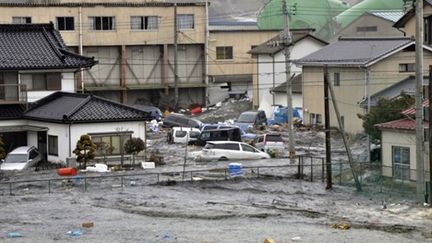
pixel 368 110
pixel 430 134
pixel 419 102
pixel 176 91
pixel 207 98
pixel 342 131
pixel 327 129
pixel 287 42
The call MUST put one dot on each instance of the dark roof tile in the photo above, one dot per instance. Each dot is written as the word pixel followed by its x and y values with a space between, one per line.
pixel 36 46
pixel 13 111
pixel 82 108
pixel 356 51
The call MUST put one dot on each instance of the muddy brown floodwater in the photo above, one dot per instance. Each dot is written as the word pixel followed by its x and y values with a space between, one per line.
pixel 243 210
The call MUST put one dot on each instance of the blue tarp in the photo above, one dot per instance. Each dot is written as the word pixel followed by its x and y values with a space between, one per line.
pixel 281 115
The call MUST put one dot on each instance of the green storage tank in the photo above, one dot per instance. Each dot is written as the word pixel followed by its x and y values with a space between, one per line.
pixel 304 13
pixel 357 10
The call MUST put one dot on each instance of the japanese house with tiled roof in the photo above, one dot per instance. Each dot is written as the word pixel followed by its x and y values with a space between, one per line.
pixel 270 59
pixel 358 68
pixel 398 146
pixel 38 106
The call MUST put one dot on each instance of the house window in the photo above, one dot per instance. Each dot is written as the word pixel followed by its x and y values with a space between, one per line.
pixel 224 52
pixel 342 121
pixel 21 20
pixel 65 23
pixel 336 79
pixel 53 145
pixel 367 29
pixel 185 21
pixel 406 67
pixel 112 142
pixel 41 81
pixel 144 22
pixel 102 23
pixel 428 30
pixel 318 119
pixel 315 119
pixel 401 162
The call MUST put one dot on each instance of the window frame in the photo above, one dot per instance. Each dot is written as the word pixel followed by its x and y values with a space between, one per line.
pixel 407 67
pixel 144 22
pixel 100 136
pixel 179 26
pixel 65 23
pixel 336 79
pixel 92 23
pixel 22 18
pixel 404 167
pixel 369 28
pixel 226 50
pixel 51 139
pixel 47 86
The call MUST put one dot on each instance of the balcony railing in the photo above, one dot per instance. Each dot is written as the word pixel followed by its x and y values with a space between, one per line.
pixel 13 93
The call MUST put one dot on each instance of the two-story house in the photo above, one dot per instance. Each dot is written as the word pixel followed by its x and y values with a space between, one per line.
pixel 358 68
pixel 38 103
pixel 271 69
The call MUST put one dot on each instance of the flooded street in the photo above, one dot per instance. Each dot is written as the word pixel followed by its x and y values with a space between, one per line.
pixel 206 204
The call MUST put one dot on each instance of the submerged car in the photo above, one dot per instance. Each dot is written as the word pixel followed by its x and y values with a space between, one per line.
pixel 155 113
pixel 21 158
pixel 251 119
pixel 222 134
pixel 180 120
pixel 244 135
pixel 228 150
pixel 183 135
pixel 271 141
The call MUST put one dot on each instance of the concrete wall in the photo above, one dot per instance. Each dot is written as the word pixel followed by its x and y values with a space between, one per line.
pixel 107 72
pixel 123 35
pixel 242 42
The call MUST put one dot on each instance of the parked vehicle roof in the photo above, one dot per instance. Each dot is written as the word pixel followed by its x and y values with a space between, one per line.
pixel 219 142
pixel 21 150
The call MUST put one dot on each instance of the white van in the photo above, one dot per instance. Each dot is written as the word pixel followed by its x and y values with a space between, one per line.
pixel 183 135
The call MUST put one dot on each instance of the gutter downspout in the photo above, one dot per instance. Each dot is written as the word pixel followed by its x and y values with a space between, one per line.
pixel 70 140
pixel 274 79
pixel 403 32
pixel 368 110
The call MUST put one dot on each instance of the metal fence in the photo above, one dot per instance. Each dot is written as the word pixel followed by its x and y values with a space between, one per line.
pixel 372 177
pixel 306 168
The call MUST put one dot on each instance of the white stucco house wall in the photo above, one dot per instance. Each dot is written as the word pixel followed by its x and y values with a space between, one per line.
pixel 271 72
pixel 55 123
